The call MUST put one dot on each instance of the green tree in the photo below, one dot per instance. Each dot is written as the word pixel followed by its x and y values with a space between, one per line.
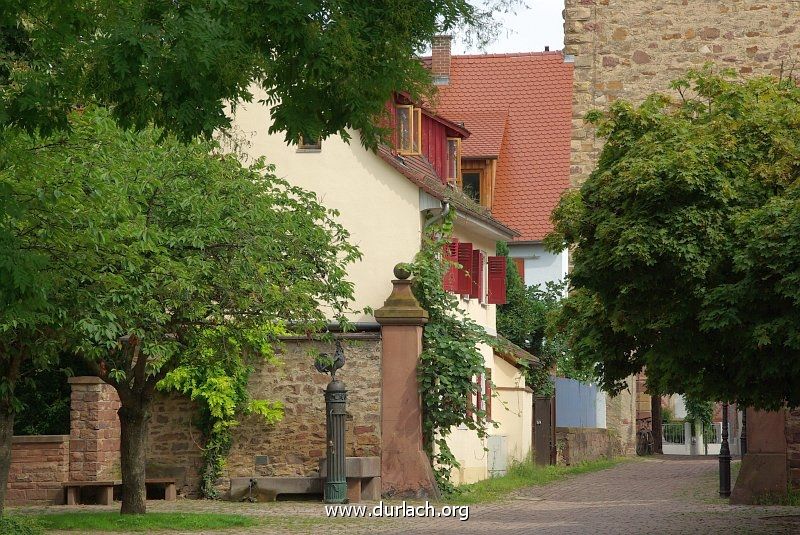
pixel 325 66
pixel 159 253
pixel 527 320
pixel 687 250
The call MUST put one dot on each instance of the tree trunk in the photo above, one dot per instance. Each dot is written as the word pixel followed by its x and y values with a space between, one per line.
pixel 134 419
pixel 655 412
pixel 6 432
pixel 10 376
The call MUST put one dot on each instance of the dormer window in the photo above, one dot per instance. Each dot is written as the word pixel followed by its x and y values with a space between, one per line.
pixel 471 184
pixel 409 129
pixel 453 159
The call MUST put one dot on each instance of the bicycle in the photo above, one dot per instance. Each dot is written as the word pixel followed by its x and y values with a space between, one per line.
pixel 644 437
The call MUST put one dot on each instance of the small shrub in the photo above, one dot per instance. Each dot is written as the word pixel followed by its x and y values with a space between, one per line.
pixel 19 525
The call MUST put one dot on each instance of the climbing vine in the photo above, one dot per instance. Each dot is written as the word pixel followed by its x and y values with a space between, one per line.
pixel 217 380
pixel 450 359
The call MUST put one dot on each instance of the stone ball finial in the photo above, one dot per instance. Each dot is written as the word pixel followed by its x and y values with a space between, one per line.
pixel 401 271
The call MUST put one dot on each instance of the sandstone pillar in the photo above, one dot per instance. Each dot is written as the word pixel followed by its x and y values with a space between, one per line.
pixel 94 430
pixel 764 466
pixel 405 468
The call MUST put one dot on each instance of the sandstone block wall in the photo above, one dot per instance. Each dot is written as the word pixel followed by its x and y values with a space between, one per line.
pixel 39 465
pixel 94 430
pixel 577 445
pixel 630 48
pixel 174 443
pixel 793 446
pixel 621 418
pixel 294 446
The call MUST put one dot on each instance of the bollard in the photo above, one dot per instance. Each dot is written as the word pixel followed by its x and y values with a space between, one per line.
pixel 336 411
pixel 724 457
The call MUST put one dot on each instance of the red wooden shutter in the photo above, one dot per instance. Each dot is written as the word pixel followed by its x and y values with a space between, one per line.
pixel 520 263
pixel 476 291
pixel 488 393
pixel 450 282
pixel 465 273
pixel 497 280
pixel 480 393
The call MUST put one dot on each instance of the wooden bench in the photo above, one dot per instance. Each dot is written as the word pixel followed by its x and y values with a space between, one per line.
pixel 105 489
pixel 105 495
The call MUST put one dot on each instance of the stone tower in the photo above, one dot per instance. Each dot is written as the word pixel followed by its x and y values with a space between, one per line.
pixel 630 48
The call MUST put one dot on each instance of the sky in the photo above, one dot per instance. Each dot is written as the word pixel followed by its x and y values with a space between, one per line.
pixel 530 29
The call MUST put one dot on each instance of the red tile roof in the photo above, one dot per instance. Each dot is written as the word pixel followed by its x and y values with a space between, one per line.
pixel 486 133
pixel 417 169
pixel 535 90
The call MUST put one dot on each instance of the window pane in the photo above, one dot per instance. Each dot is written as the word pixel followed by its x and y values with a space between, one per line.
pixel 471 185
pixel 404 128
pixel 452 158
pixel 416 125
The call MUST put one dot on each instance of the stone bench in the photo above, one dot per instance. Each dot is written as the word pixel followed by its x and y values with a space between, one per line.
pixel 363 482
pixel 267 489
pixel 363 477
pixel 105 489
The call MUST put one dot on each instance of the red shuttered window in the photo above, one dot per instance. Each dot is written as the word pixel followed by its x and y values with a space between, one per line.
pixel 476 292
pixel 497 280
pixel 450 282
pixel 464 285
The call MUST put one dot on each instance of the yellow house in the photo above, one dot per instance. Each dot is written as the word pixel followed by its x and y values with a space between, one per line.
pixel 385 199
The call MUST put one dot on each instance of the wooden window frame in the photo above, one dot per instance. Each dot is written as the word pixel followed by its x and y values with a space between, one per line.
pixel 414 127
pixel 302 146
pixel 480 172
pixel 456 179
pixel 416 131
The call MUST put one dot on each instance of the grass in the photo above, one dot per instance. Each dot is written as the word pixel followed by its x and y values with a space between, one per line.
pixel 112 521
pixel 522 475
pixel 792 498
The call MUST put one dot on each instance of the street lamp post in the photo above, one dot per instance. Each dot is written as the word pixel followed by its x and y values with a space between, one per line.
pixel 724 457
pixel 743 434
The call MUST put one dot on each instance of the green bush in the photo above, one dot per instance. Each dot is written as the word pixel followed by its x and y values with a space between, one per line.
pixel 19 525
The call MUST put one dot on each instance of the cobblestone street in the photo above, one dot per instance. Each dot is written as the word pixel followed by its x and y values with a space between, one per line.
pixel 664 495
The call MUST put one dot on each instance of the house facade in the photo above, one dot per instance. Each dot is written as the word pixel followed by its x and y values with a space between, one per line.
pixel 386 199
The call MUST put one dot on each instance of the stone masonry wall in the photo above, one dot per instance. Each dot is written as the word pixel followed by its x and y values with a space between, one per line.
pixel 630 48
pixel 294 446
pixel 621 418
pixel 94 430
pixel 576 445
pixel 39 465
pixel 174 447
pixel 793 446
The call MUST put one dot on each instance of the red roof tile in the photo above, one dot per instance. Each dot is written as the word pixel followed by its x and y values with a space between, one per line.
pixel 535 91
pixel 419 171
pixel 486 133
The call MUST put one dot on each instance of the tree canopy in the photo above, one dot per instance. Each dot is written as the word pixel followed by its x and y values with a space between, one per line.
pixel 154 254
pixel 325 66
pixel 686 242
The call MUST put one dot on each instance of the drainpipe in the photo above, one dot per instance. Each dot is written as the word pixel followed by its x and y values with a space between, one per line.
pixel 440 216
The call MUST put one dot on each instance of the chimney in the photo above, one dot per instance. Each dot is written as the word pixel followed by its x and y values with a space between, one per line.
pixel 440 59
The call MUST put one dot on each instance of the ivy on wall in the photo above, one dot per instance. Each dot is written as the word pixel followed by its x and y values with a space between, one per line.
pixel 217 381
pixel 450 359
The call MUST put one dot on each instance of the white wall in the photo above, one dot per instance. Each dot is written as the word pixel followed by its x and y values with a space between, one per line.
pixel 540 266
pixel 377 205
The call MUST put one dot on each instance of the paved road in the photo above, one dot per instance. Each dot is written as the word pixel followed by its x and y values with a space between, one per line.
pixel 664 495
pixel 667 495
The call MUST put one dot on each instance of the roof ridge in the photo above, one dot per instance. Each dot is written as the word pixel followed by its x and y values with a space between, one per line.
pixel 503 54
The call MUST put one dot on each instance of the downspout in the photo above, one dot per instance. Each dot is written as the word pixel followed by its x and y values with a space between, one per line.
pixel 440 216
